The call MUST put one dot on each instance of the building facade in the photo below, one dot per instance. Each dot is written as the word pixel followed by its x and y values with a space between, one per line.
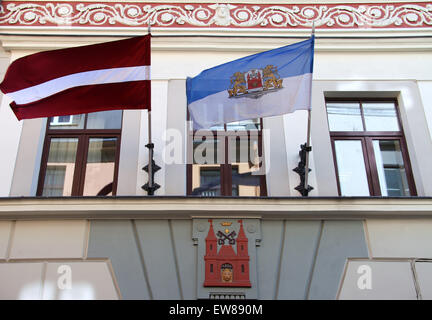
pixel 73 206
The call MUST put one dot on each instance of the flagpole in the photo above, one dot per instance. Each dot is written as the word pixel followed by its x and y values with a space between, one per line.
pixel 308 138
pixel 150 192
pixel 151 168
pixel 150 162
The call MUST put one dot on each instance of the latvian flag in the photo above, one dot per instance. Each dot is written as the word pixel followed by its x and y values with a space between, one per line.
pixel 106 76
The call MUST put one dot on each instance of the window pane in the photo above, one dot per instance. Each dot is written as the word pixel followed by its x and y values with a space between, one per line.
pixel 206 180
pixel 206 152
pixel 206 175
pixel 391 168
pixel 344 116
pixel 253 124
pixel 60 167
pixel 244 157
pixel 99 175
pixel 105 120
pixel 380 116
pixel 351 168
pixel 67 122
pixel 219 127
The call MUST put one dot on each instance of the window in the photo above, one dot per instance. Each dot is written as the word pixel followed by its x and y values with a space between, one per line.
pixel 80 156
pixel 369 148
pixel 226 160
pixel 61 120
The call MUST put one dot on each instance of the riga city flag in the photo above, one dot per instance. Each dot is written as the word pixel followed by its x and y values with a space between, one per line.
pixel 265 84
pixel 106 76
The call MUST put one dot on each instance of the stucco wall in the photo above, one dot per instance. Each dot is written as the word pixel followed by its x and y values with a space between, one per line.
pixel 158 259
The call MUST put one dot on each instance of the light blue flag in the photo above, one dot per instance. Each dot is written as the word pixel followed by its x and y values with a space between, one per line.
pixel 265 84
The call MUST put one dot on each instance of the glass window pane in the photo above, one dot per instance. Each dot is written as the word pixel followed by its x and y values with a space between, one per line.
pixel 206 180
pixel 351 168
pixel 218 127
pixel 344 116
pixel 99 175
pixel 245 161
pixel 391 169
pixel 105 120
pixel 67 122
pixel 380 116
pixel 60 167
pixel 206 152
pixel 206 177
pixel 253 124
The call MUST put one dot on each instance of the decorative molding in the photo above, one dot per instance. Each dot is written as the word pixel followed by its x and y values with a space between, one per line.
pixel 157 207
pixel 196 15
pixel 32 39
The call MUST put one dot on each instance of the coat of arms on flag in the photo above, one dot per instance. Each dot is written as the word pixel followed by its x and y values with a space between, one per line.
pixel 255 82
pixel 275 82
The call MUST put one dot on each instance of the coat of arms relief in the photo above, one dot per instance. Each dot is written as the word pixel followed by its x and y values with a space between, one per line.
pixel 227 257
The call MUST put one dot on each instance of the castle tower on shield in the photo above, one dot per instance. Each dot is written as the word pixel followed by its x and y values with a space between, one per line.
pixel 225 267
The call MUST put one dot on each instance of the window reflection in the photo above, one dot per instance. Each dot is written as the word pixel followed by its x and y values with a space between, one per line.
pixel 380 116
pixel 60 167
pixel 252 124
pixel 97 120
pixel 245 162
pixel 206 170
pixel 99 174
pixel 81 155
pixel 227 162
pixel 391 169
pixel 105 120
pixel 344 116
pixel 206 180
pixel 374 159
pixel 67 122
pixel 351 168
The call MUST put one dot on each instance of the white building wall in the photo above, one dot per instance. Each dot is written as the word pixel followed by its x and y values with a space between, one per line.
pixel 9 141
pixel 349 64
pixel 425 88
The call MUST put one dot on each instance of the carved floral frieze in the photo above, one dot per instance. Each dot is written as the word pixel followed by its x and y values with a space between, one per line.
pixel 123 14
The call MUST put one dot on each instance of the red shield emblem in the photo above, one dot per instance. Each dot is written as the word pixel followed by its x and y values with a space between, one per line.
pixel 254 80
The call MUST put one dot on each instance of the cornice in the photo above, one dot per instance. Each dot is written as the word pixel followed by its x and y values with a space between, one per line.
pixel 418 41
pixel 190 207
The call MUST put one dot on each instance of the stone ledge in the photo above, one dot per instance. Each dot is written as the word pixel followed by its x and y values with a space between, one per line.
pixel 357 208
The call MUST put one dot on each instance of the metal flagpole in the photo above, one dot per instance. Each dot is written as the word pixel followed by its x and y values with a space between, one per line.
pixel 150 162
pixel 306 187
pixel 151 168
pixel 150 145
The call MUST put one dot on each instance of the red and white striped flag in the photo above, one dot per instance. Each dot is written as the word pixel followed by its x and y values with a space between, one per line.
pixel 106 76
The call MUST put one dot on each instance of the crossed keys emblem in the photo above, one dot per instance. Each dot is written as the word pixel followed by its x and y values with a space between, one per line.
pixel 223 237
